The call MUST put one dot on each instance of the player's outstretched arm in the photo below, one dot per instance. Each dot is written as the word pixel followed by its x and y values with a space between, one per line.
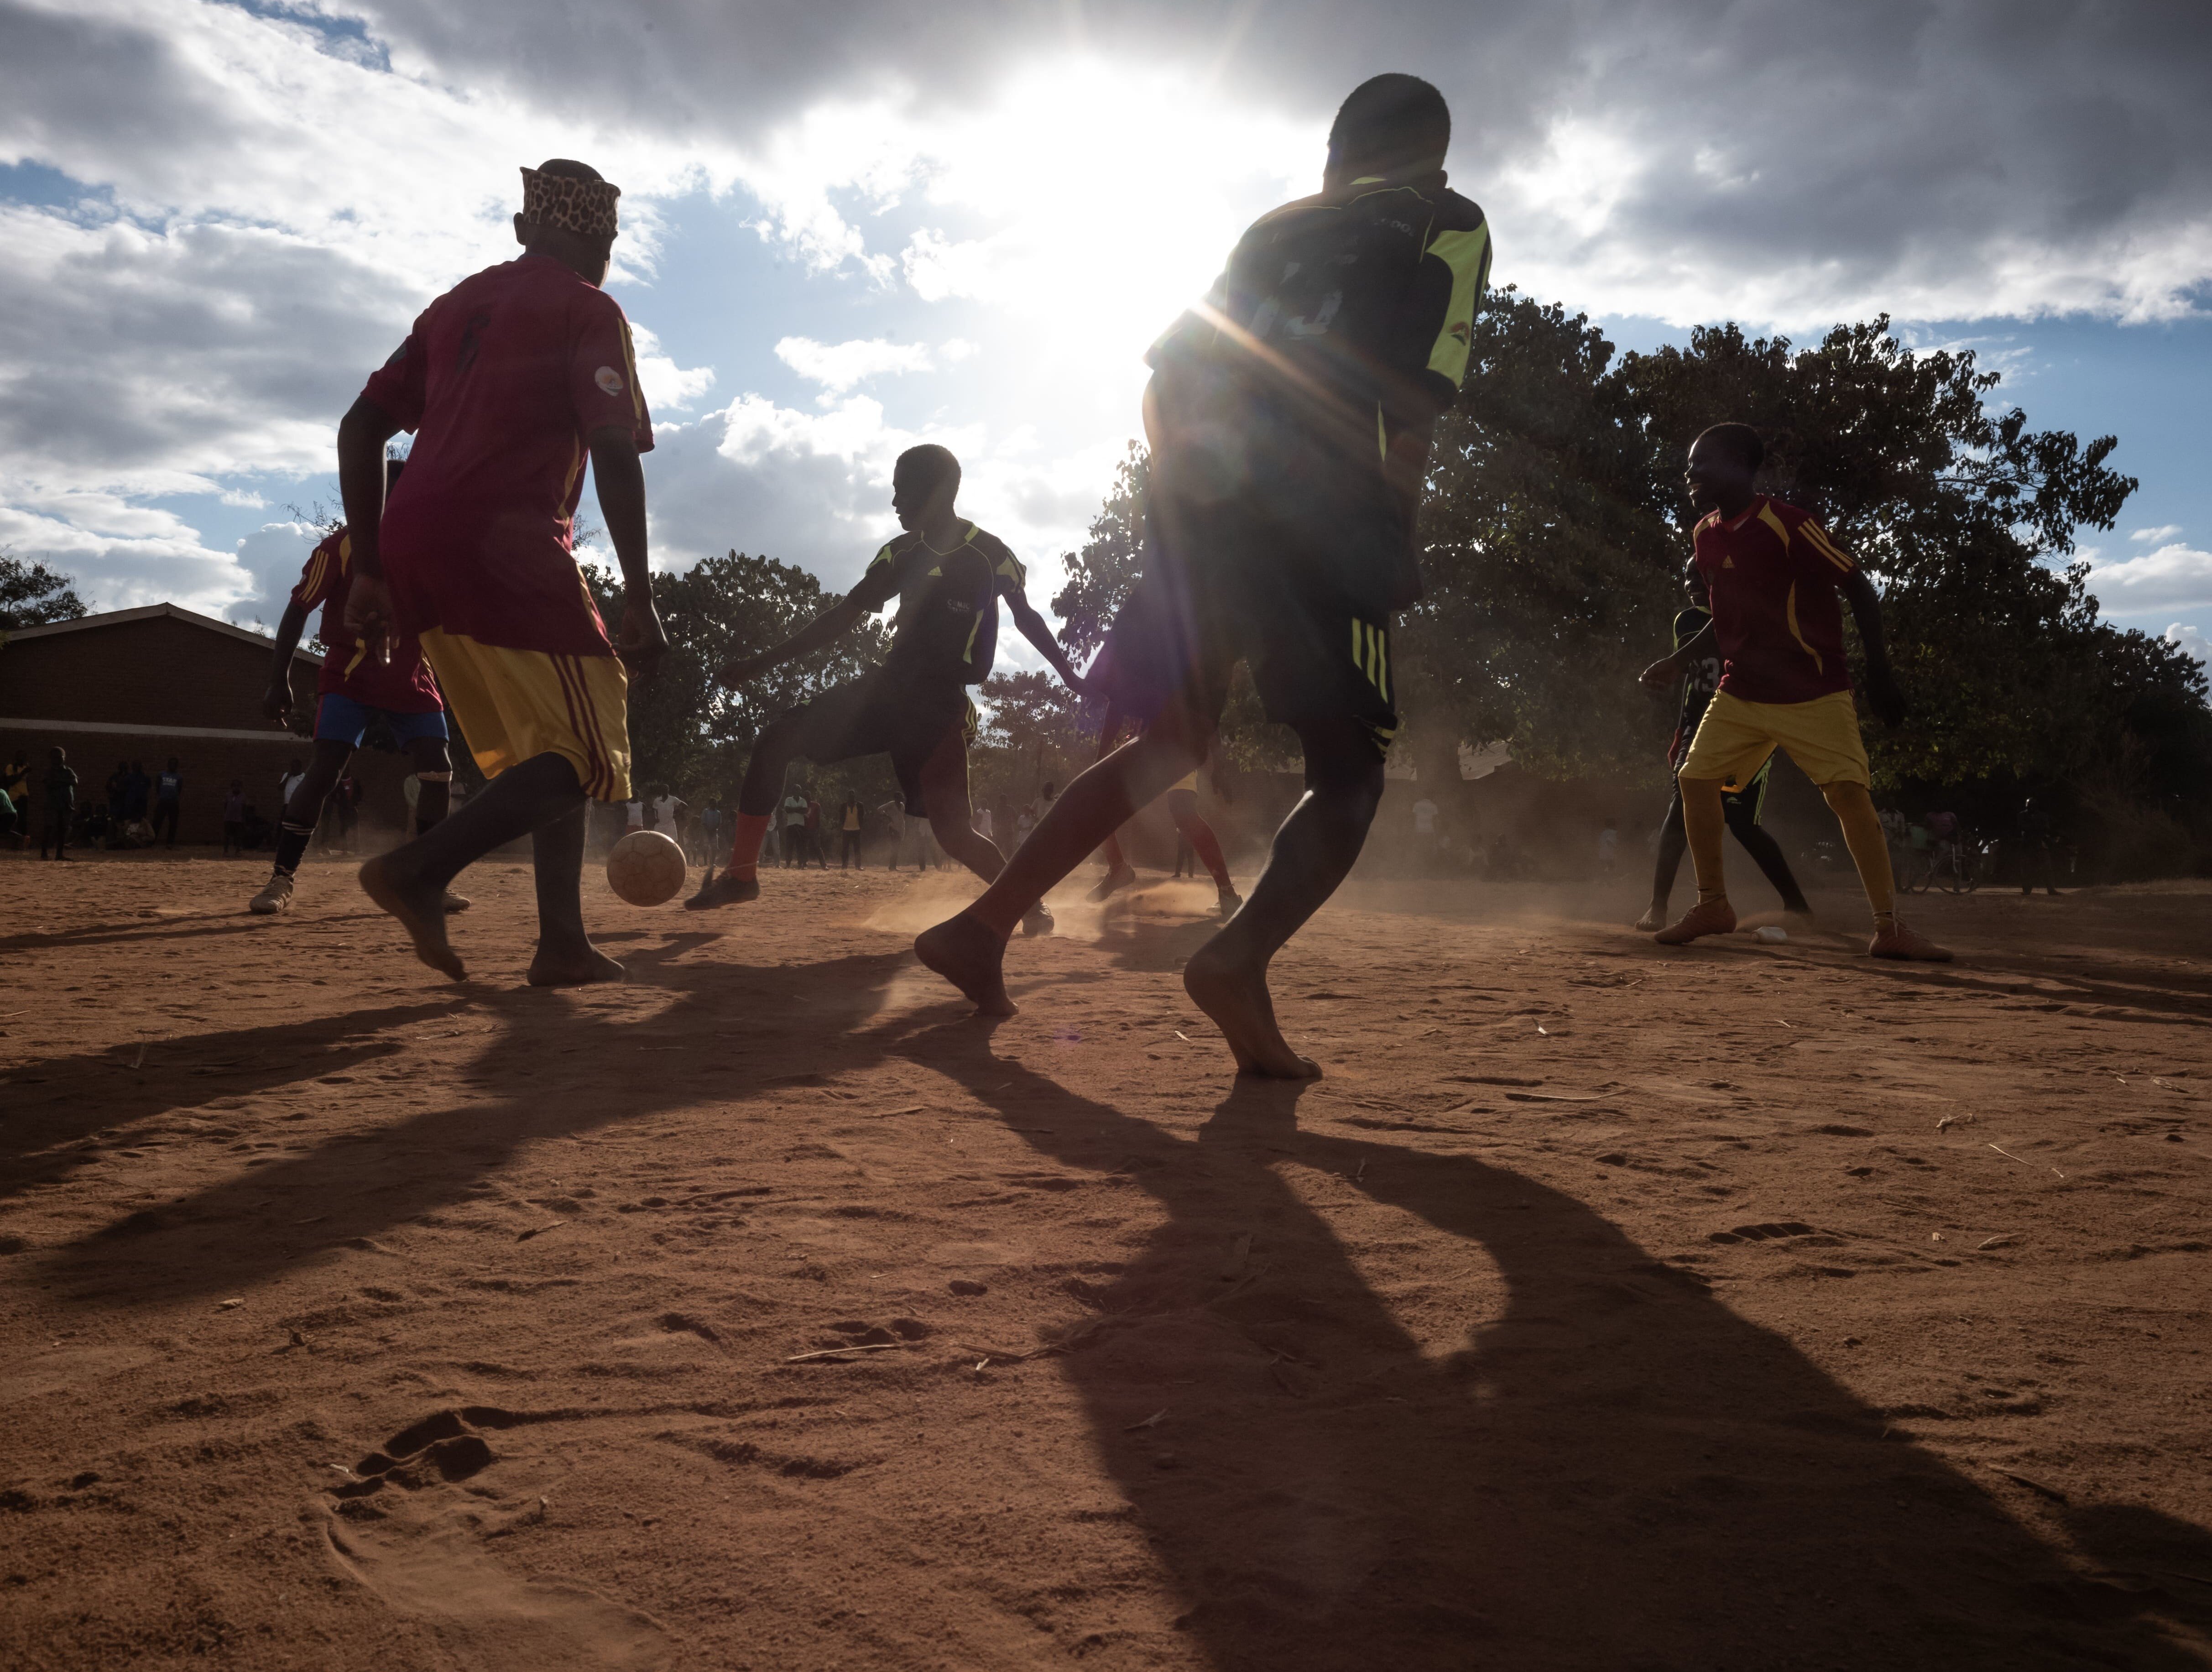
pixel 640 640
pixel 1882 694
pixel 363 434
pixel 1664 674
pixel 1038 632
pixel 276 701
pixel 825 629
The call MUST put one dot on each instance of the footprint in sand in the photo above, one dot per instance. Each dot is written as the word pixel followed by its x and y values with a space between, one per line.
pixel 1762 1233
pixel 408 1533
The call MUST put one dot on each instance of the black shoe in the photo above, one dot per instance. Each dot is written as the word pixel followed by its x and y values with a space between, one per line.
pixel 1037 919
pixel 727 890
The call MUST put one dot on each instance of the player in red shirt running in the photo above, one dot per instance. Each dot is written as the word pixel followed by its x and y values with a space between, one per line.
pixel 355 690
pixel 510 380
pixel 1774 577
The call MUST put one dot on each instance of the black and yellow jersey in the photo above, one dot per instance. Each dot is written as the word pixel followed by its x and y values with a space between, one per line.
pixel 947 627
pixel 1354 311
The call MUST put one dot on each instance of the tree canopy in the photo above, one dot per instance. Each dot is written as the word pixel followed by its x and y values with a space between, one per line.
pixel 31 595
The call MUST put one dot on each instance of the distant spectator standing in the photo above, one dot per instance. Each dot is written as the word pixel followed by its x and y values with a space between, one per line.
pixel 233 818
pixel 710 827
pixel 135 792
pixel 118 793
pixel 668 815
pixel 985 826
pixel 168 800
pixel 11 819
pixel 345 803
pixel 848 833
pixel 1608 847
pixel 2037 842
pixel 814 833
pixel 894 817
pixel 61 804
pixel 794 829
pixel 16 780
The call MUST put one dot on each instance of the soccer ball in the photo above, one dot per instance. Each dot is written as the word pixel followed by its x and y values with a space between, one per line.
pixel 646 868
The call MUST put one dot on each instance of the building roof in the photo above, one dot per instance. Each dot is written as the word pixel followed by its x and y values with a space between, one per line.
pixel 149 612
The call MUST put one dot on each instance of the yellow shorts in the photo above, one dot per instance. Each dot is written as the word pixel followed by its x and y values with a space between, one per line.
pixel 514 704
pixel 1736 737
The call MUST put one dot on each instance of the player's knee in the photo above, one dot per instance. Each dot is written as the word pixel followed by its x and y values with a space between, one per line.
pixel 1846 795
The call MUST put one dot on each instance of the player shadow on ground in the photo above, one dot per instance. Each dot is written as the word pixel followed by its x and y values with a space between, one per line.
pixel 1612 1470
pixel 555 1069
pixel 122 1088
pixel 196 927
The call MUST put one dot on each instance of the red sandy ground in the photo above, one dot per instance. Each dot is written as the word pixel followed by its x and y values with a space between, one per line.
pixel 1745 1307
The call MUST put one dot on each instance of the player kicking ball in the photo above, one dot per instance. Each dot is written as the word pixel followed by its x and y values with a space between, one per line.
pixel 509 382
pixel 948 577
pixel 1290 417
pixel 1776 581
pixel 354 690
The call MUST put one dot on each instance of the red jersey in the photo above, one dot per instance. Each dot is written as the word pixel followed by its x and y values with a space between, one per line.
pixel 1773 575
pixel 400 686
pixel 503 378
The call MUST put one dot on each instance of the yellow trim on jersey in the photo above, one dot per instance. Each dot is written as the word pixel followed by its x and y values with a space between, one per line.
pixel 1371 654
pixel 1382 433
pixel 1789 614
pixel 1467 255
pixel 967 650
pixel 629 364
pixel 1817 538
pixel 1781 529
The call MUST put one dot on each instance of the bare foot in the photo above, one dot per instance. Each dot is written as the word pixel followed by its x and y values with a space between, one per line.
pixel 421 909
pixel 1654 918
pixel 569 966
pixel 1235 995
pixel 1707 917
pixel 1120 878
pixel 727 890
pixel 966 953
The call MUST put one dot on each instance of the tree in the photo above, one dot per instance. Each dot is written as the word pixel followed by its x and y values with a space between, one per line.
pixel 31 594
pixel 1100 574
pixel 685 730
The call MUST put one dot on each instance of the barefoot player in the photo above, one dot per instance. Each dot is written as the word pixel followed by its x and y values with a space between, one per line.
pixel 354 690
pixel 1774 578
pixel 1740 804
pixel 510 380
pixel 1289 419
pixel 948 577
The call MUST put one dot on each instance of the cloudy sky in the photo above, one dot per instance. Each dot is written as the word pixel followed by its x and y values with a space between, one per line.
pixel 851 225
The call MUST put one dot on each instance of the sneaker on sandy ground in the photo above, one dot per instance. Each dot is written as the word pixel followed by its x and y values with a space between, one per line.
pixel 1038 920
pixel 1120 878
pixel 1653 920
pixel 727 890
pixel 1230 900
pixel 1901 942
pixel 273 899
pixel 456 901
pixel 1707 917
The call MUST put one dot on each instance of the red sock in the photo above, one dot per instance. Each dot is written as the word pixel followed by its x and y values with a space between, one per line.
pixel 1199 834
pixel 745 849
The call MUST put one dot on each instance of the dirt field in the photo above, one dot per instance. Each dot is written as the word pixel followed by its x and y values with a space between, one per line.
pixel 1743 1307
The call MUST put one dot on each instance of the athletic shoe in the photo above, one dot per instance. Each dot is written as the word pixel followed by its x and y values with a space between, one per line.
pixel 1901 942
pixel 727 890
pixel 1707 917
pixel 274 899
pixel 1653 920
pixel 457 902
pixel 1120 878
pixel 1230 900
pixel 1037 919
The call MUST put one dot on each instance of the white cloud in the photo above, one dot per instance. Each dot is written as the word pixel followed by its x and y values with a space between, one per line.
pixel 2158 536
pixel 838 366
pixel 2173 577
pixel 2191 640
pixel 665 383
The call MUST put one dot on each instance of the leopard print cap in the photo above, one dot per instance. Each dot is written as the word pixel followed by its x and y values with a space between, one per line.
pixel 584 207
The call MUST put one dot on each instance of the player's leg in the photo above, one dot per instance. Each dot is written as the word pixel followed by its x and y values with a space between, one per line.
pixel 943 777
pixel 1853 805
pixel 1190 824
pixel 968 950
pixel 759 800
pixel 1119 873
pixel 1312 854
pixel 296 826
pixel 1733 742
pixel 424 738
pixel 1673 840
pixel 1742 814
pixel 566 956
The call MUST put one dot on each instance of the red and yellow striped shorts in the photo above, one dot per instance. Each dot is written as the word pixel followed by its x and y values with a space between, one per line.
pixel 514 704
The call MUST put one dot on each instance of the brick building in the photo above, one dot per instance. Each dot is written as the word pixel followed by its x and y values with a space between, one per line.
pixel 145 685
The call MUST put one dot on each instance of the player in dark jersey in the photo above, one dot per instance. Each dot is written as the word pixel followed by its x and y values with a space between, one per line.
pixel 948 577
pixel 355 690
pixel 1289 416
pixel 1740 804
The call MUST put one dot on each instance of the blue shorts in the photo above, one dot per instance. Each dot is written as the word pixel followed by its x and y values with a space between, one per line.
pixel 341 719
